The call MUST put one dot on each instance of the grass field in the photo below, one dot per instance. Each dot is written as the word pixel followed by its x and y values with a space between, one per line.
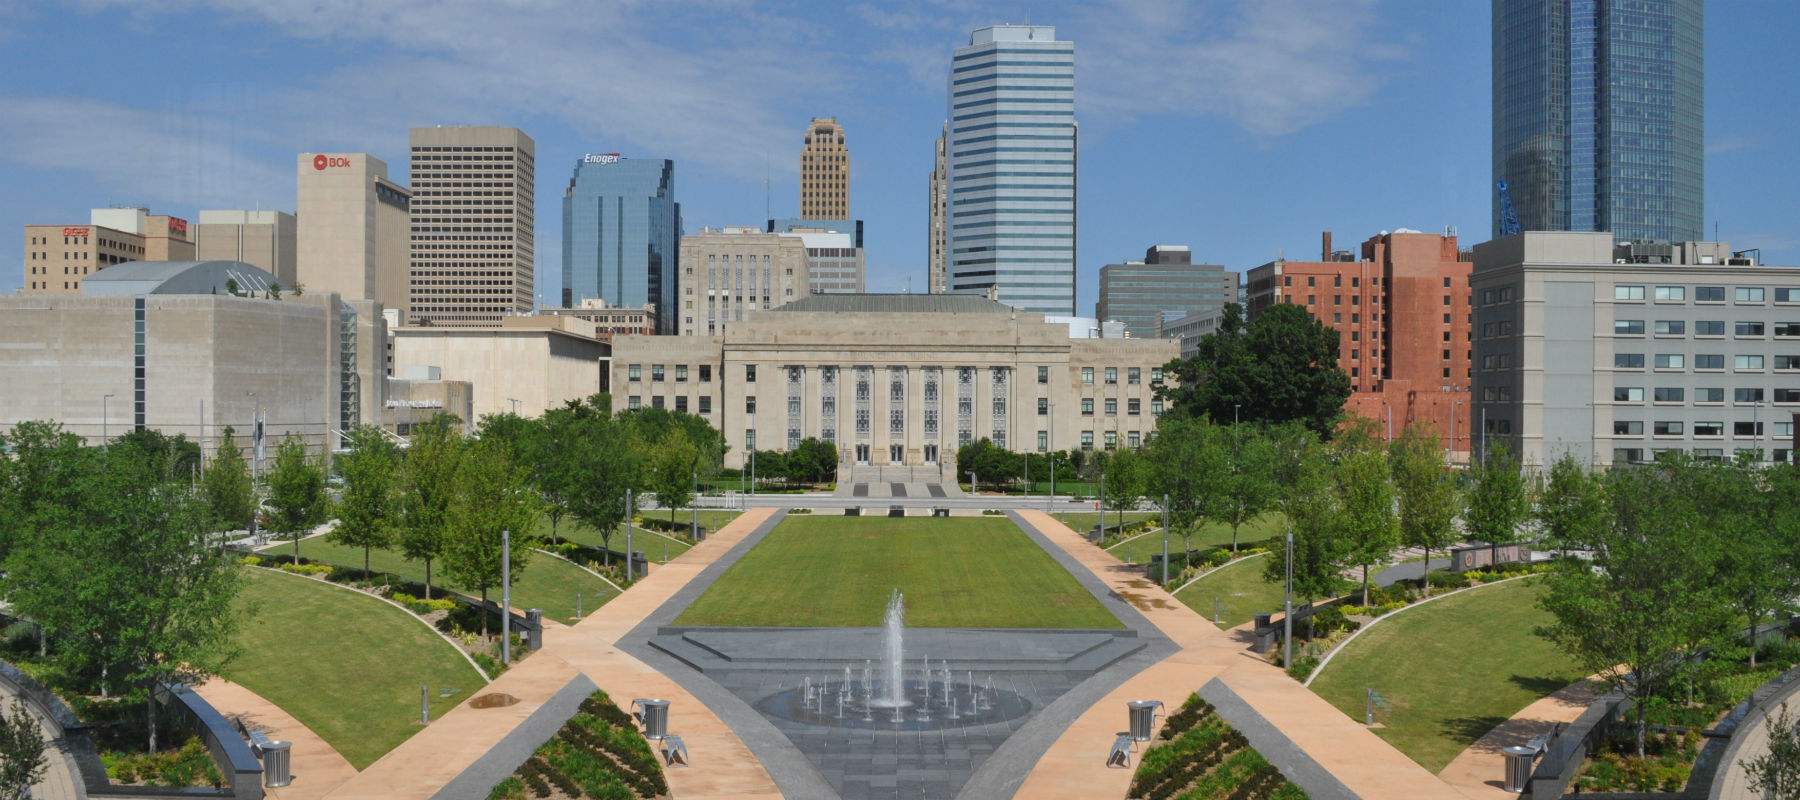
pixel 349 667
pixel 1239 588
pixel 546 583
pixel 1451 670
pixel 653 545
pixel 1211 534
pixel 964 572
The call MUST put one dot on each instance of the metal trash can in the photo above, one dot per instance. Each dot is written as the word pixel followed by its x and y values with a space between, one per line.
pixel 700 533
pixel 1263 620
pixel 1143 718
pixel 276 771
pixel 655 718
pixel 1096 534
pixel 640 566
pixel 534 628
pixel 1518 767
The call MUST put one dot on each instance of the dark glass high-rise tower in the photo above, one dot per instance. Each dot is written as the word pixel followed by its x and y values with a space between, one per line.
pixel 622 234
pixel 1599 115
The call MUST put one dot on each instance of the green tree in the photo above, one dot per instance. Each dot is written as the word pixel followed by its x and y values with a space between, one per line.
pixel 427 490
pixel 1282 366
pixel 1573 509
pixel 1315 514
pixel 1124 481
pixel 297 499
pixel 1366 502
pixel 1429 498
pixel 673 462
pixel 492 495
pixel 226 487
pixel 1776 773
pixel 368 507
pixel 21 752
pixel 602 465
pixel 174 456
pixel 1249 481
pixel 40 473
pixel 126 579
pixel 1751 513
pixel 1496 498
pixel 1648 597
pixel 1188 461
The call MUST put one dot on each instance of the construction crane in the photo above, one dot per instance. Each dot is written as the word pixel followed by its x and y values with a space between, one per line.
pixel 1509 219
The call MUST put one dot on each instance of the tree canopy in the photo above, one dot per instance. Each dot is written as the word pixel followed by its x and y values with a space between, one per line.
pixel 1280 367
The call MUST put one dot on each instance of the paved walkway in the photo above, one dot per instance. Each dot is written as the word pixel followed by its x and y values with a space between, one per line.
pixel 1074 766
pixel 1752 741
pixel 61 780
pixel 1480 770
pixel 315 766
pixel 723 766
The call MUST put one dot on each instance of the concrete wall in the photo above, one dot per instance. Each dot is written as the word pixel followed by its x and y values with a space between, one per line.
pixel 541 368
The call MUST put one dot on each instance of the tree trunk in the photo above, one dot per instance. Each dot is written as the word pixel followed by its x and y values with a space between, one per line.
pixel 1234 531
pixel 1752 637
pixel 427 579
pixel 553 521
pixel 296 547
pixel 1365 569
pixel 150 713
pixel 1425 575
pixel 484 627
pixel 365 561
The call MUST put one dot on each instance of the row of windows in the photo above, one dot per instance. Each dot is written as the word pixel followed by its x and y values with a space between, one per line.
pixel 1746 361
pixel 1635 455
pixel 1705 395
pixel 1707 428
pixel 1704 294
pixel 1133 406
pixel 1753 329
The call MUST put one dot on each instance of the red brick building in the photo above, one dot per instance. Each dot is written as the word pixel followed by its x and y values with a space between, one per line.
pixel 1401 310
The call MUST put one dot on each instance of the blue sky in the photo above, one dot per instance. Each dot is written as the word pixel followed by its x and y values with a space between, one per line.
pixel 1242 129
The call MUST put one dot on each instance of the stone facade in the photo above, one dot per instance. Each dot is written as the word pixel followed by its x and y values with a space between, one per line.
pixel 474 240
pixel 825 171
pixel 352 223
pixel 729 274
pixel 539 361
pixel 265 239
pixel 899 379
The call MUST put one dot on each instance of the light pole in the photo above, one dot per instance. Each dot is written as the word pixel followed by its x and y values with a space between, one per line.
pixel 695 532
pixel 1050 500
pixel 1165 527
pixel 627 535
pixel 515 404
pixel 972 482
pixel 1287 616
pixel 103 420
pixel 1390 421
pixel 506 596
pixel 1450 455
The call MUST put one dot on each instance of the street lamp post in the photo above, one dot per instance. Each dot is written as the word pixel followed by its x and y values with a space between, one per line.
pixel 971 481
pixel 1050 501
pixel 694 533
pixel 1450 454
pixel 1287 616
pixel 628 564
pixel 515 405
pixel 505 597
pixel 1165 527
pixel 103 420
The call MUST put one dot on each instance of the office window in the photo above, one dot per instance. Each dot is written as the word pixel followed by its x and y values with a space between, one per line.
pixel 1670 327
pixel 1671 361
pixel 1043 374
pixel 1156 377
pixel 1787 362
pixel 634 372
pixel 1132 441
pixel 1131 407
pixel 1787 295
pixel 1628 292
pixel 1750 329
pixel 750 439
pixel 1134 375
pixel 1628 360
pixel 750 404
pixel 1087 440
pixel 1112 407
pixel 1666 429
pixel 1628 394
pixel 706 373
pixel 1747 362
pixel 1753 428
pixel 1043 441
pixel 1666 294
pixel 656 401
pixel 1709 361
pixel 749 373
pixel 1112 376
pixel 1087 376
pixel 656 372
pixel 1628 428
pixel 1668 394
pixel 634 402
pixel 681 404
pixel 681 373
pixel 1787 329
pixel 1626 327
pixel 1087 406
pixel 1043 406
pixel 1628 455
pixel 1112 440
pixel 1156 406
pixel 1709 429
pixel 1709 294
pixel 1787 396
pixel 706 404
pixel 1749 294
pixel 1710 394
pixel 1741 395
pixel 1709 327
pixel 1784 430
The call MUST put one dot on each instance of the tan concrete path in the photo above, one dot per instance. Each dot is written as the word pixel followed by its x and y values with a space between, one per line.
pixel 1479 771
pixel 723 766
pixel 316 767
pixel 61 779
pixel 1074 766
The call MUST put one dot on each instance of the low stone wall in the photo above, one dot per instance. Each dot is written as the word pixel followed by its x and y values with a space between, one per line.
pixel 1274 745
pixel 243 772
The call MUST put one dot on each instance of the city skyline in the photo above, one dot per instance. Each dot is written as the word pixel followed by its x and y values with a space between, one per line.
pixel 1239 157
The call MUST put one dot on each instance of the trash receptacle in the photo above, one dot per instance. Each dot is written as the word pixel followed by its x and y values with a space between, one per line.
pixel 640 566
pixel 655 716
pixel 1143 718
pixel 1518 767
pixel 1262 620
pixel 700 533
pixel 534 628
pixel 276 772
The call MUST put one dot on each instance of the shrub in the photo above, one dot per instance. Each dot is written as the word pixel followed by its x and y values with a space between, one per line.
pixel 1303 667
pixel 250 561
pixel 307 569
pixel 421 606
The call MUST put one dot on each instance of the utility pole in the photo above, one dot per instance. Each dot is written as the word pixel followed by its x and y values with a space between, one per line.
pixel 1287 616
pixel 1050 501
pixel 104 435
pixel 505 597
pixel 627 535
pixel 1165 510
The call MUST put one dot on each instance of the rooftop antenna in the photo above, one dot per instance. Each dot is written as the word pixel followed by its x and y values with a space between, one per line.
pixel 768 206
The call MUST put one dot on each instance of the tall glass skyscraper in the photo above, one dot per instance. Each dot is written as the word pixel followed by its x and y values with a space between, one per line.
pixel 1011 168
pixel 1599 116
pixel 622 234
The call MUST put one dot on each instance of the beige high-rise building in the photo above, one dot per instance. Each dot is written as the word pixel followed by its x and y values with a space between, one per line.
pixel 825 171
pixel 939 277
pixel 729 274
pixel 352 229
pixel 264 239
pixel 58 257
pixel 473 238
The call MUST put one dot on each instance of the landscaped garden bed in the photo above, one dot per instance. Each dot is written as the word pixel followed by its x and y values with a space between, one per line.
pixel 598 754
pixel 1199 756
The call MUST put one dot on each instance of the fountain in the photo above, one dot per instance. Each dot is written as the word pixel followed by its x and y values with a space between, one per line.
pixel 894 693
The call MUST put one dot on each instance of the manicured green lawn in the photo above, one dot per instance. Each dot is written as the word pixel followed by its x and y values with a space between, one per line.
pixel 1451 670
pixel 1211 534
pixel 546 583
pixel 349 667
pixel 957 572
pixel 1240 589
pixel 651 543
